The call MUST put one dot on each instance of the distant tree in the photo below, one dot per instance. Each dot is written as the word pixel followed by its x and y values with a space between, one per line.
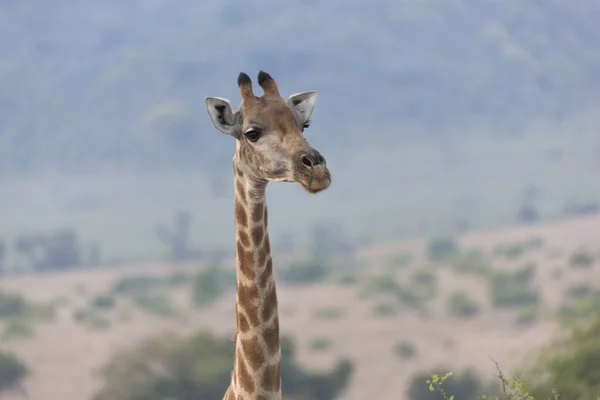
pixel 199 367
pixel 571 365
pixel 178 240
pixel 12 372
pixel 50 252
pixel 464 386
pixel 527 214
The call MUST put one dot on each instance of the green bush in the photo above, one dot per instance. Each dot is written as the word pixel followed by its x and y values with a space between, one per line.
pixel 91 318
pixel 512 289
pixel 12 371
pixel 104 301
pixel 199 367
pixel 384 283
pixel 527 315
pixel 516 250
pixel 423 284
pixel 441 249
pixel 329 313
pixel 398 261
pixel 303 273
pixel 385 310
pixel 570 365
pixel 320 344
pixel 157 304
pixel 142 283
pixel 464 386
pixel 17 329
pixel 12 305
pixel 579 291
pixel 471 262
pixel 581 259
pixel 405 350
pixel 210 283
pixel 460 305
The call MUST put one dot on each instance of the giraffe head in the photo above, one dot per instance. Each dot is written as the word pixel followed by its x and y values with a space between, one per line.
pixel 268 131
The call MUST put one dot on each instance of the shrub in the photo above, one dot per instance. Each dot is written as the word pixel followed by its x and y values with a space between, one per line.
pixel 104 301
pixel 405 350
pixel 570 365
pixel 471 263
pixel 156 304
pixel 210 283
pixel 320 344
pixel 329 313
pixel 527 315
pixel 579 291
pixel 385 309
pixel 460 305
pixel 143 283
pixel 512 289
pixel 399 261
pixel 437 386
pixel 18 328
pixel 12 305
pixel 12 371
pixel 581 259
pixel 91 319
pixel 303 273
pixel 199 367
pixel 441 248
pixel 423 284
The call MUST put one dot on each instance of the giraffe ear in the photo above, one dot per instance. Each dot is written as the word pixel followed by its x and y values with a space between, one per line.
pixel 222 116
pixel 304 103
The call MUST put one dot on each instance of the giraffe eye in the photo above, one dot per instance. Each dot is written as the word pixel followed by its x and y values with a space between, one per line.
pixel 253 135
pixel 306 125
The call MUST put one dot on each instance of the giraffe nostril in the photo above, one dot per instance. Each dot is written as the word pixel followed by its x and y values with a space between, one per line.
pixel 307 160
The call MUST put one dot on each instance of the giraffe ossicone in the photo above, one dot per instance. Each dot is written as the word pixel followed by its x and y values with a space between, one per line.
pixel 270 147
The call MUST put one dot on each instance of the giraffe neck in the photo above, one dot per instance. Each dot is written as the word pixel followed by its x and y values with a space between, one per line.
pixel 257 372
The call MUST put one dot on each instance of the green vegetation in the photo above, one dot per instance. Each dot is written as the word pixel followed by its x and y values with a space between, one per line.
pixel 13 306
pixel 157 304
pixel 135 284
pixel 461 305
pixel 304 273
pixel 386 309
pixel 12 371
pixel 18 329
pixel 527 315
pixel 210 283
pixel 436 385
pixel 512 289
pixel 103 301
pixel 320 344
pixel 471 262
pixel 581 259
pixel 398 261
pixel 584 304
pixel 329 313
pixel 516 250
pixel 199 367
pixel 92 319
pixel 413 297
pixel 405 350
pixel 440 249
pixel 566 369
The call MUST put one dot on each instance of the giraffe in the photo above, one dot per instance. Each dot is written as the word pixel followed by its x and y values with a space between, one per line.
pixel 270 147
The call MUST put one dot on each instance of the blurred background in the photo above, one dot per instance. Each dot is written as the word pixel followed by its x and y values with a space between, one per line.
pixel 462 226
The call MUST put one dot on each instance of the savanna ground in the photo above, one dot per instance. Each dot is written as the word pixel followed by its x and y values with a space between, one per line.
pixel 395 310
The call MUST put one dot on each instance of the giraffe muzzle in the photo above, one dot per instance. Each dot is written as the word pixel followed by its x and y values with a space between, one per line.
pixel 312 172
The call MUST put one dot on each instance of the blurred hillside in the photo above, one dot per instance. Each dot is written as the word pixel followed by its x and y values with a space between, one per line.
pixel 122 83
pixel 432 115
